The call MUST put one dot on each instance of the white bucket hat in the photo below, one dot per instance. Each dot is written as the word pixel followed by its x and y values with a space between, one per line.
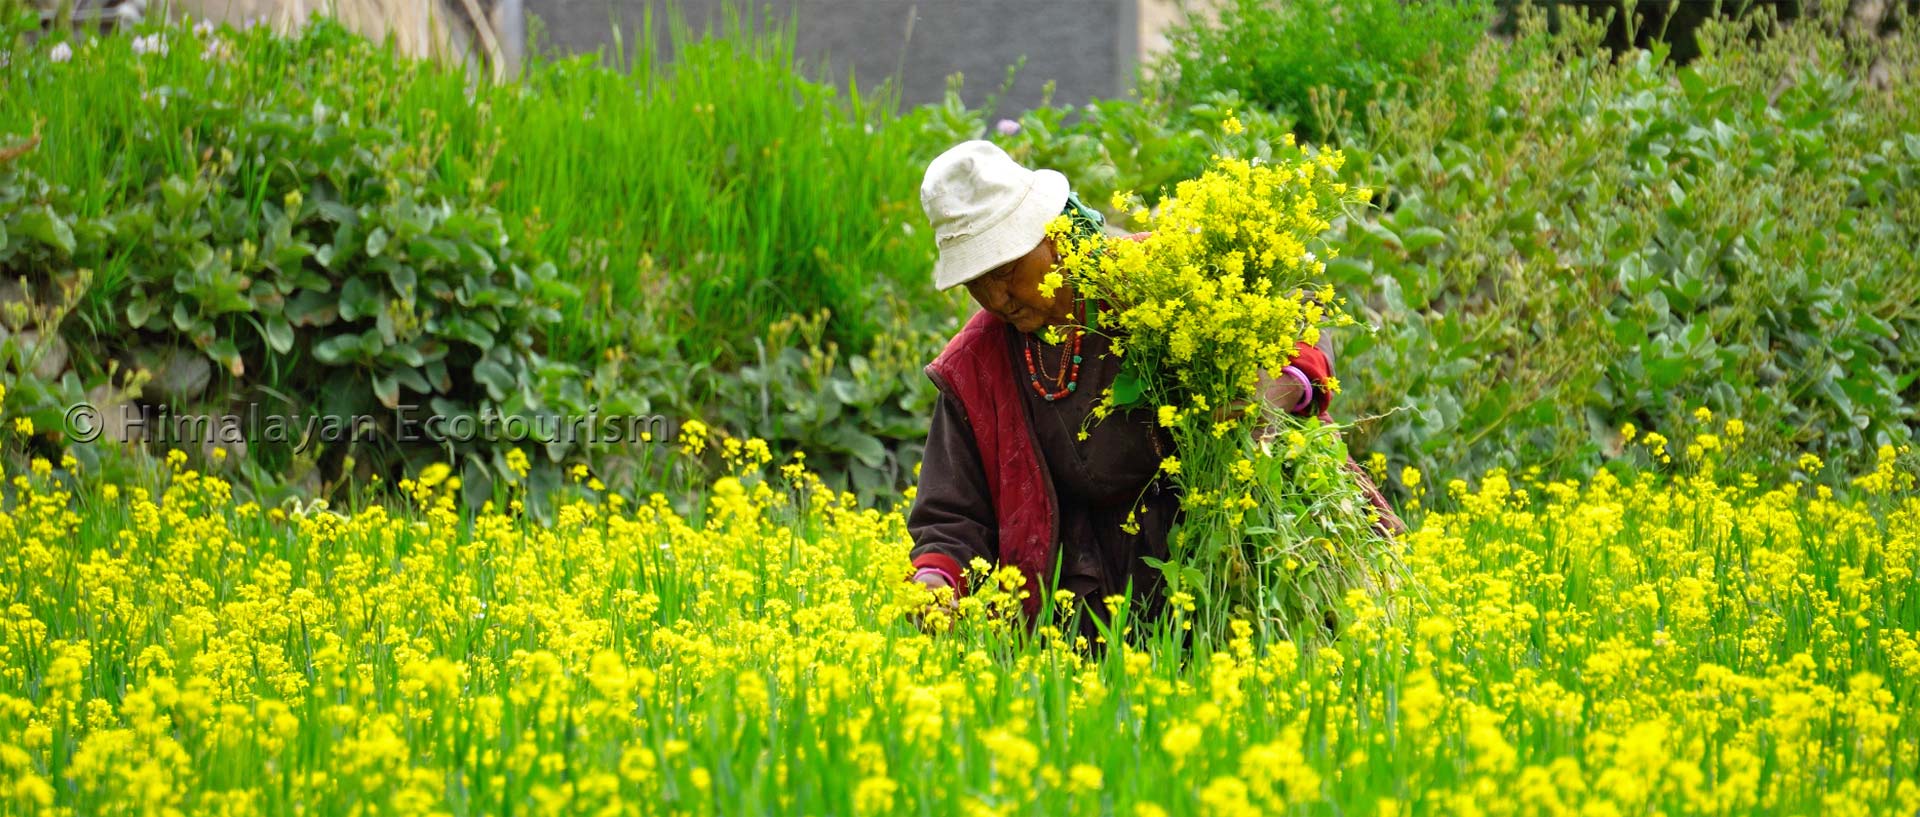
pixel 985 209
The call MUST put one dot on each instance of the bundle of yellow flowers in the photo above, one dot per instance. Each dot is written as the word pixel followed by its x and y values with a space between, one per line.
pixel 1228 279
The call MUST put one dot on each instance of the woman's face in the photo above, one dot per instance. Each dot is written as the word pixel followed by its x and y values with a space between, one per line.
pixel 1012 291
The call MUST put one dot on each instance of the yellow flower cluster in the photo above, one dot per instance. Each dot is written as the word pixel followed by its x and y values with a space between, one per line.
pixel 1219 294
pixel 1226 282
pixel 1626 645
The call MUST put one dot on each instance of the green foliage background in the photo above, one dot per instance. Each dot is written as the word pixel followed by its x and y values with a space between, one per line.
pixel 1563 242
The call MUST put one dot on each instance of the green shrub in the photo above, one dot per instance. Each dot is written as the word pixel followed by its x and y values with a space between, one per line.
pixel 1576 244
pixel 1109 145
pixel 306 256
pixel 860 418
pixel 1566 244
pixel 721 189
pixel 37 295
pixel 336 231
pixel 303 261
pixel 1294 57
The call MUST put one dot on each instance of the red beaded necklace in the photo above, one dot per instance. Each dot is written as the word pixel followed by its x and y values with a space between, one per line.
pixel 1069 364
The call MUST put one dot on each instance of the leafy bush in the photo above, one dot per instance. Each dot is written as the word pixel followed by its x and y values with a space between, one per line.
pixel 306 251
pixel 306 256
pixel 1575 245
pixel 37 381
pixel 334 229
pixel 1295 57
pixel 1108 146
pixel 1566 244
pixel 721 188
pixel 861 418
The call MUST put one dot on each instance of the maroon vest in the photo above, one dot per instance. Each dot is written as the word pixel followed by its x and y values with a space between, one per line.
pixel 977 369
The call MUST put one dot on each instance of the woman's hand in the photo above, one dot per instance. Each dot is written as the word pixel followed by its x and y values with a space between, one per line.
pixel 1283 392
pixel 1280 394
pixel 943 595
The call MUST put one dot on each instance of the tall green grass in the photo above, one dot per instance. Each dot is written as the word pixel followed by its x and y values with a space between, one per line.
pixel 724 179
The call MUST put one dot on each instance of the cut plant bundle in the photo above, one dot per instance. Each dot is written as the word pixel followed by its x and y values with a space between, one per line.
pixel 1217 293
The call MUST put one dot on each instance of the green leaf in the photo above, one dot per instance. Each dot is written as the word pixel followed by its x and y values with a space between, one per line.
pixel 313 308
pixel 403 279
pixel 140 310
pixel 1386 236
pixel 1664 372
pixel 1194 580
pixel 40 223
pixel 1169 571
pixel 864 447
pixel 498 380
pixel 412 379
pixel 178 197
pixel 228 355
pixel 1421 238
pixel 387 390
pixel 358 299
pixel 409 354
pixel 437 374
pixel 337 350
pixel 291 253
pixel 1691 81
pixel 435 249
pixel 460 328
pixel 1840 399
pixel 336 212
pixel 279 334
pixel 376 242
pixel 1127 389
pixel 1629 333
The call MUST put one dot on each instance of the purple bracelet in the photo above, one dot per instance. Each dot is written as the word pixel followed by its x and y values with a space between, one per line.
pixel 1306 387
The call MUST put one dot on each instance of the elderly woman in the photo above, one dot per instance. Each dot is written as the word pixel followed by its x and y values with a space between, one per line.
pixel 1006 477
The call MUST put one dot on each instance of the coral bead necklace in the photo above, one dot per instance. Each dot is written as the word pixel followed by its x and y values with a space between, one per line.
pixel 1069 364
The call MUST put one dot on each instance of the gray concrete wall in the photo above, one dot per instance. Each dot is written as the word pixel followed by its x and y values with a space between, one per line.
pixel 1088 47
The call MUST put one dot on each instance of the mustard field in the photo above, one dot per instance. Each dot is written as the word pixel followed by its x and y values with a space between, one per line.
pixel 1680 642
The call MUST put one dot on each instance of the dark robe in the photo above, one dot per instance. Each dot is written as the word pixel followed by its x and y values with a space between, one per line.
pixel 1094 482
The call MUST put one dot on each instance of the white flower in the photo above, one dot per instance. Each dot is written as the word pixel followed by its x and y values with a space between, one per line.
pixel 60 52
pixel 1007 127
pixel 203 28
pixel 150 44
pixel 1308 257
